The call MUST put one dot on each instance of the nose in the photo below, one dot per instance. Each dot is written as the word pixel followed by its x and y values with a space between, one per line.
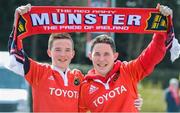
pixel 101 58
pixel 62 53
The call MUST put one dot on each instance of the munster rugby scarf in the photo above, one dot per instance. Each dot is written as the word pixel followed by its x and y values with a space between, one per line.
pixel 55 19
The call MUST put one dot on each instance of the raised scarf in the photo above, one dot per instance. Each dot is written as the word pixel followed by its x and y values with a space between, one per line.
pixel 56 19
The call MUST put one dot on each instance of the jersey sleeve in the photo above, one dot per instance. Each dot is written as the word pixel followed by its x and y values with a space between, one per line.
pixel 82 107
pixel 19 61
pixel 154 53
pixel 37 71
pixel 21 64
pixel 148 59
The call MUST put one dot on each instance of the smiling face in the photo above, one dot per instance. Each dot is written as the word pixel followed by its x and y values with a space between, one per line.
pixel 61 52
pixel 103 55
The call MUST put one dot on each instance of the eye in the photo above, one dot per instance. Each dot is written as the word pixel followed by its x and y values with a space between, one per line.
pixel 57 49
pixel 96 54
pixel 106 54
pixel 68 50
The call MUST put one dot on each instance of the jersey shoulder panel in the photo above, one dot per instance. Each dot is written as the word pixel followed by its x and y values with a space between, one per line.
pixel 78 73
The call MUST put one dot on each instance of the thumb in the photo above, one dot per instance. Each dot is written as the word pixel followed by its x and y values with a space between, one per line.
pixel 158 6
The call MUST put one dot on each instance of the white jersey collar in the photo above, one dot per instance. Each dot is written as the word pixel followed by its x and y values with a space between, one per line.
pixel 63 75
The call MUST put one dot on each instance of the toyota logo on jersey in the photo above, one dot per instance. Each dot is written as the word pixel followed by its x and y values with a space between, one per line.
pixel 64 93
pixel 111 94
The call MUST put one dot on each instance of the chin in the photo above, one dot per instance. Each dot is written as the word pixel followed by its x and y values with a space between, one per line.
pixel 102 73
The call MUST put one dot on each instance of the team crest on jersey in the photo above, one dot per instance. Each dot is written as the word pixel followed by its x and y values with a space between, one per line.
pixel 92 89
pixel 76 81
pixel 157 21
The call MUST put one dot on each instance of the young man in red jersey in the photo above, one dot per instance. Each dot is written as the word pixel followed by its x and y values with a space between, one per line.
pixel 111 86
pixel 55 88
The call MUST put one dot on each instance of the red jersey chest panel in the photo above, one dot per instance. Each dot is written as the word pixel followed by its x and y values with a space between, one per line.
pixel 54 84
pixel 115 96
pixel 49 91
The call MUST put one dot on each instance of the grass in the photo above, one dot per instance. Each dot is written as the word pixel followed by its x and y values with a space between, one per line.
pixel 153 98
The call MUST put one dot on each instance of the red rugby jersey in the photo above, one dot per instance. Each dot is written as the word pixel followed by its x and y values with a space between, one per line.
pixel 117 91
pixel 51 90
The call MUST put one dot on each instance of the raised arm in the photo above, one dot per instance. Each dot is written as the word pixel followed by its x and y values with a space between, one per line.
pixel 156 50
pixel 19 62
pixel 153 54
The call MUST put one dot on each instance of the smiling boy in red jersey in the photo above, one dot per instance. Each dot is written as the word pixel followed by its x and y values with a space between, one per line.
pixel 111 86
pixel 55 88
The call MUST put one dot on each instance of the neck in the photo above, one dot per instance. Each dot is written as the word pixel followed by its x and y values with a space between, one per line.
pixel 60 68
pixel 103 75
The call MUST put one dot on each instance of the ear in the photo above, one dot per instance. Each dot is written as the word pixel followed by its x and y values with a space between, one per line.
pixel 49 52
pixel 116 54
pixel 73 53
pixel 90 55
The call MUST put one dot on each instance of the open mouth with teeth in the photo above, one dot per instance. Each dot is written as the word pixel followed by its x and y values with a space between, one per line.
pixel 62 60
pixel 102 65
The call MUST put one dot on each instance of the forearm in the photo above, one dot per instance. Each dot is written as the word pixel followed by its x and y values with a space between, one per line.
pixel 156 50
pixel 154 53
pixel 19 61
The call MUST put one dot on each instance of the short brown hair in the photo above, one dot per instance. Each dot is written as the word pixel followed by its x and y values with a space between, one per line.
pixel 104 39
pixel 55 36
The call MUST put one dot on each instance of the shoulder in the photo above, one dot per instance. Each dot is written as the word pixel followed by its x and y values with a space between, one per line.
pixel 125 64
pixel 77 74
pixel 75 71
pixel 86 84
pixel 41 64
pixel 132 64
